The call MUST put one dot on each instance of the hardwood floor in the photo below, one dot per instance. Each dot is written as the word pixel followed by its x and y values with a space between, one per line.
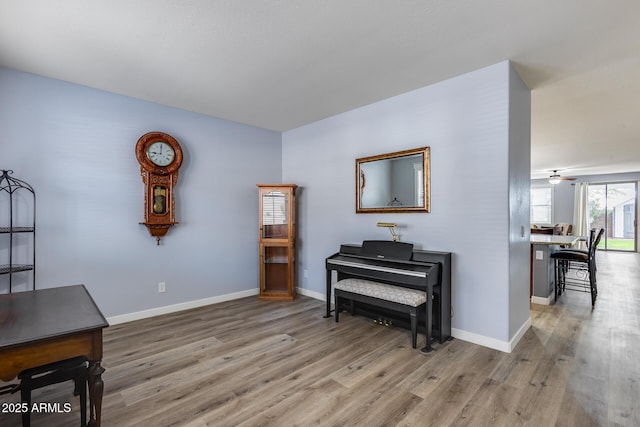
pixel 254 363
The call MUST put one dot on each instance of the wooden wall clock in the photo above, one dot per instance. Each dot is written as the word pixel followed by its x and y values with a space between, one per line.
pixel 160 158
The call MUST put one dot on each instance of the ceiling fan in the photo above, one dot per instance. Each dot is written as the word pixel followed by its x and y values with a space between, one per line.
pixel 555 178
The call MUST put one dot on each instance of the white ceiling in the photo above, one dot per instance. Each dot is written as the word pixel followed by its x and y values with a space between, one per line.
pixel 280 64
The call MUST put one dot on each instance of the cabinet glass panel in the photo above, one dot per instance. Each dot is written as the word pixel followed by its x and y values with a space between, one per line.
pixel 275 207
pixel 276 268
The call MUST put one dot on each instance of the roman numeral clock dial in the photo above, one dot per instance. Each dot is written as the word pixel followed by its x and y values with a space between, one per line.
pixel 160 158
pixel 160 153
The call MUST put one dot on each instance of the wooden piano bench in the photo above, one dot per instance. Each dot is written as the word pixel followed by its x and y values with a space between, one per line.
pixel 391 297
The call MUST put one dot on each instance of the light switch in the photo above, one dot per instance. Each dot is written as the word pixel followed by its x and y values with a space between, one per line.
pixel 539 255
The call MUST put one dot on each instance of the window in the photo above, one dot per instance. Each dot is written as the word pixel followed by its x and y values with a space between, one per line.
pixel 542 205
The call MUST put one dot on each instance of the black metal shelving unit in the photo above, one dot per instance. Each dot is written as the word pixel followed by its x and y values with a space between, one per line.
pixel 11 190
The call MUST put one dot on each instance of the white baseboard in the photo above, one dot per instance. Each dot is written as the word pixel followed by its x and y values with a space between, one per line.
pixel 312 294
pixel 504 346
pixel 542 300
pixel 138 315
pixel 518 336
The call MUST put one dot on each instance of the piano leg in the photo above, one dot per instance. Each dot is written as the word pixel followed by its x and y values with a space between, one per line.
pixel 428 320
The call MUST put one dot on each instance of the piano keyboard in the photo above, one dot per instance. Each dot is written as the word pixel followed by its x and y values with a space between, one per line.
pixel 376 267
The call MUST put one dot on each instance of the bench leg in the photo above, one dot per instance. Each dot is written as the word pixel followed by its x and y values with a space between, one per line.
pixel 428 320
pixel 340 296
pixel 414 328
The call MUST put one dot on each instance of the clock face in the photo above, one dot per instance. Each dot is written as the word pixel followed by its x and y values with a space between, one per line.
pixel 160 153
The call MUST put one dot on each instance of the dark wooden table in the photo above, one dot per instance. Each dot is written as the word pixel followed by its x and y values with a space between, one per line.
pixel 49 325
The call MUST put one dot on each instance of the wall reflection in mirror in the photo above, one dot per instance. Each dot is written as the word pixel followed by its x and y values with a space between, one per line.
pixel 393 182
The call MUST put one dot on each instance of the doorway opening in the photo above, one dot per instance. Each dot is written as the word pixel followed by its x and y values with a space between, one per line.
pixel 612 206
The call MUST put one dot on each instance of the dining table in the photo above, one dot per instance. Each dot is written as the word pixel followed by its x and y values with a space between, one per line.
pixel 50 325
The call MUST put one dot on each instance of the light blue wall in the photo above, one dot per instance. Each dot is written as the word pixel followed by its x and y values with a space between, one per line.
pixel 75 145
pixel 465 121
pixel 519 203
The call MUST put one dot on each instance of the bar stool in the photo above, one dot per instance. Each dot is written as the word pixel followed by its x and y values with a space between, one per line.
pixel 580 263
pixel 71 369
pixel 586 252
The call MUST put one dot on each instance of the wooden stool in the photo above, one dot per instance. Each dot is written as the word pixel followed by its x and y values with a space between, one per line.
pixel 71 369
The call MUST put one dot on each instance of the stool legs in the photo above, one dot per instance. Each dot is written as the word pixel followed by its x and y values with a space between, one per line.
pixel 560 271
pixel 592 282
pixel 559 277
pixel 81 390
pixel 25 397
pixel 69 370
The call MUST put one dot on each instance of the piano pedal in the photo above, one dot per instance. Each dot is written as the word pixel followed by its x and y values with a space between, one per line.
pixel 383 322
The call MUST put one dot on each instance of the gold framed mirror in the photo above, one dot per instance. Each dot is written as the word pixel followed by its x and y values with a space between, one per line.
pixel 394 182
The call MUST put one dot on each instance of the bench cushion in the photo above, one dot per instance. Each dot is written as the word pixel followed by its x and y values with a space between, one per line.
pixel 400 295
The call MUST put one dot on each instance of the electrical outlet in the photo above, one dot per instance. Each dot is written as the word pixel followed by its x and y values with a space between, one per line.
pixel 306 274
pixel 161 287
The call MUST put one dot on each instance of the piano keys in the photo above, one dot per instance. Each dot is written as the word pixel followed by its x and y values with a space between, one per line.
pixel 397 263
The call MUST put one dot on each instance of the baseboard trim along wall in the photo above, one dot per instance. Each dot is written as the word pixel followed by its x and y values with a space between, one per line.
pixel 542 300
pixel 312 294
pixel 504 346
pixel 168 309
pixel 139 315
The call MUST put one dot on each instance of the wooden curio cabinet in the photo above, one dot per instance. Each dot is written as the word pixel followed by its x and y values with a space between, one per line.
pixel 277 241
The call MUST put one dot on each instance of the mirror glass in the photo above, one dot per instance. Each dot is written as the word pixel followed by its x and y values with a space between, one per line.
pixel 393 182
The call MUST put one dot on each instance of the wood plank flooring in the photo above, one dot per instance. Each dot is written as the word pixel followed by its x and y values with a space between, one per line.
pixel 254 363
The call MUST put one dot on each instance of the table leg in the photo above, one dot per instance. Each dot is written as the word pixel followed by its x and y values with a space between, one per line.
pixel 96 389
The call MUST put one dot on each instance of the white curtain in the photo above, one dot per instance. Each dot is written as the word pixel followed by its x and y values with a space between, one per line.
pixel 581 210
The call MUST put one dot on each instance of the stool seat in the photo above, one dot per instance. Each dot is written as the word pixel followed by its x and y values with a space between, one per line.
pixel 53 373
pixel 569 255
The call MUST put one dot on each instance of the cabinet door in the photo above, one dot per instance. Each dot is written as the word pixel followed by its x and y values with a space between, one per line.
pixel 276 272
pixel 275 214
